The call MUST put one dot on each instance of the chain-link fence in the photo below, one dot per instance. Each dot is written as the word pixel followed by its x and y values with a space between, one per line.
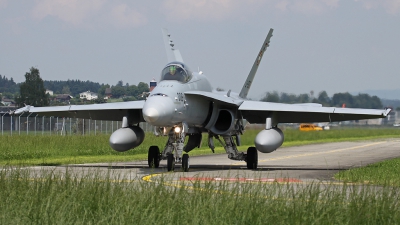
pixel 42 125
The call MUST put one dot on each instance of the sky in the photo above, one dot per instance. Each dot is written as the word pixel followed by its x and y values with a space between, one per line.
pixel 331 45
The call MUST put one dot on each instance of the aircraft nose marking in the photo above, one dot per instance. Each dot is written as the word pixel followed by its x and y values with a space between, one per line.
pixel 151 114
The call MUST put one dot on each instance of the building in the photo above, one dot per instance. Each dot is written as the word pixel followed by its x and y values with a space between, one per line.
pixel 107 93
pixel 7 102
pixel 63 98
pixel 50 92
pixel 88 95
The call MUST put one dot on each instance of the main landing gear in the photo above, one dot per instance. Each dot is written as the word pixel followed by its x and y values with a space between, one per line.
pixel 252 158
pixel 175 152
pixel 154 157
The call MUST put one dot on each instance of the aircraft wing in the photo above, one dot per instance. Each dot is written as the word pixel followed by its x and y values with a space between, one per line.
pixel 257 112
pixel 105 111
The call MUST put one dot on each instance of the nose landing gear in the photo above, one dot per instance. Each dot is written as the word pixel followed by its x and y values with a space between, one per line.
pixel 173 152
pixel 185 163
pixel 171 161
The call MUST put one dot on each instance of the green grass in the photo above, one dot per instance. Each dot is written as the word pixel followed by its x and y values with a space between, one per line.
pixel 90 198
pixel 54 150
pixel 381 173
pixel 54 199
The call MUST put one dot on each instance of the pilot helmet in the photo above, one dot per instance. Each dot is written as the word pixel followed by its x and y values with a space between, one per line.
pixel 172 70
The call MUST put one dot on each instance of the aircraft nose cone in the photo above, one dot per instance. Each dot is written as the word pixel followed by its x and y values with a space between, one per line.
pixel 159 111
pixel 150 114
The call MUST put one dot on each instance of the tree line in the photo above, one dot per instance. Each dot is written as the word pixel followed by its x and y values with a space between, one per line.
pixel 30 91
pixel 119 90
pixel 71 87
pixel 8 87
pixel 337 100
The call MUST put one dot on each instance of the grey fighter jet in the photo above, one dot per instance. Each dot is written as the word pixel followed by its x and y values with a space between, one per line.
pixel 184 105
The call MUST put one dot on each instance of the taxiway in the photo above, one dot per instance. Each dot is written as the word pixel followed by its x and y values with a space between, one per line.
pixel 308 163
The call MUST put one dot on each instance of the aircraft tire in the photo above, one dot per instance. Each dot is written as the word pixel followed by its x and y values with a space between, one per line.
pixel 252 158
pixel 153 157
pixel 170 162
pixel 185 163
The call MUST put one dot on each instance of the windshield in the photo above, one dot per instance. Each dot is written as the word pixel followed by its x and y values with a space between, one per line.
pixel 178 72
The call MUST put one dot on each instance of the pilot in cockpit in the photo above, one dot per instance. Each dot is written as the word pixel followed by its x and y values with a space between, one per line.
pixel 175 73
pixel 172 70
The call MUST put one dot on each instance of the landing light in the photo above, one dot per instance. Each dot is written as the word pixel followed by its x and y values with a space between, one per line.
pixel 177 129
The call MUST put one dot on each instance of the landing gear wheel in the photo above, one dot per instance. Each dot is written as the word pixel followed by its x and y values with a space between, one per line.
pixel 252 158
pixel 185 163
pixel 170 162
pixel 153 157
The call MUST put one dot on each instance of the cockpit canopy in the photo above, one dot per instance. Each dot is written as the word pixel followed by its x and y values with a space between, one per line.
pixel 176 71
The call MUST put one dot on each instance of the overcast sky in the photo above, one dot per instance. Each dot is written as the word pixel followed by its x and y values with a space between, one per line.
pixel 332 45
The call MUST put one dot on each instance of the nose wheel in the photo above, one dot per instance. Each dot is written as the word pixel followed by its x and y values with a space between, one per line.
pixel 170 162
pixel 185 163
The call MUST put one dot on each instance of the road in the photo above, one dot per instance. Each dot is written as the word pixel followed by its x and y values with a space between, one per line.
pixel 309 163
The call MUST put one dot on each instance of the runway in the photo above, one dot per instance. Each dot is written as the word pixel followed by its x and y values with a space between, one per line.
pixel 301 164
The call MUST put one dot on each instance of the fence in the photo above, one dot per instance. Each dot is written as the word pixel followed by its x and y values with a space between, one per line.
pixel 41 125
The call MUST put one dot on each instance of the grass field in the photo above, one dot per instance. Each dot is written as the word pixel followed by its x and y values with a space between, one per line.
pixel 54 199
pixel 50 198
pixel 381 173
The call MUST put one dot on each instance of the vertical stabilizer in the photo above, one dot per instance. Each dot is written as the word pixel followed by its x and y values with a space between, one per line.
pixel 250 77
pixel 172 53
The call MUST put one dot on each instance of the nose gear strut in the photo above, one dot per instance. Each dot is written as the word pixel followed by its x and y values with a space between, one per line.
pixel 174 148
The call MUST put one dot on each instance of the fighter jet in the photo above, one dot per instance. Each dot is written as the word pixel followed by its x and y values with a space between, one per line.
pixel 184 105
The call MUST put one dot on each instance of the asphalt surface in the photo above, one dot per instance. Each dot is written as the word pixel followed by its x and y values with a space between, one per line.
pixel 310 163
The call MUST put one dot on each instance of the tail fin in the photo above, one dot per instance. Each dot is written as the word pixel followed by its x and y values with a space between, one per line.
pixel 172 53
pixel 250 77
